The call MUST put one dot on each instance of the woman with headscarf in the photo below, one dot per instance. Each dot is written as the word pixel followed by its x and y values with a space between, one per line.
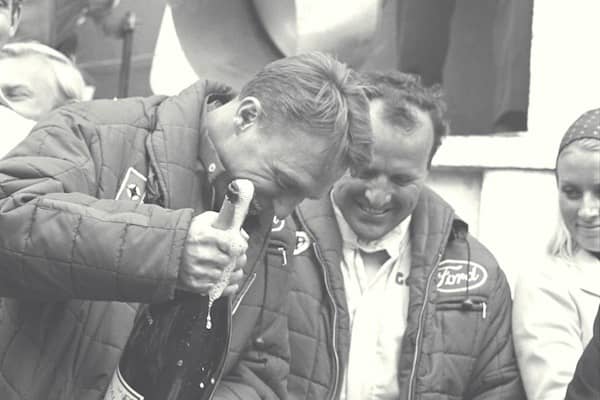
pixel 555 305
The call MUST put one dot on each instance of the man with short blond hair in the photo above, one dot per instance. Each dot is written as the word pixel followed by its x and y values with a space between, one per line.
pixel 115 201
pixel 35 79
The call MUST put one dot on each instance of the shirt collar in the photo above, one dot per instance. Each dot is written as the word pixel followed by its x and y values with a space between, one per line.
pixel 391 242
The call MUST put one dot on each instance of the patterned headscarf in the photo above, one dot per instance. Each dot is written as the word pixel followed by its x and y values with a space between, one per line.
pixel 586 127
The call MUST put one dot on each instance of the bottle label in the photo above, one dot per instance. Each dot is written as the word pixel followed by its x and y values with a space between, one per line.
pixel 120 390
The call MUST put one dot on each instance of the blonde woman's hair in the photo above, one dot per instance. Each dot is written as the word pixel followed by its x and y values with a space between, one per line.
pixel 69 80
pixel 562 244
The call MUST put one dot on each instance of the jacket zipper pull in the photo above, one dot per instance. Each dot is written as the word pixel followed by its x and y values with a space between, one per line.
pixel 483 309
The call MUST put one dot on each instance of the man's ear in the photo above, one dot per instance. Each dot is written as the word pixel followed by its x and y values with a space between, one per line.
pixel 15 19
pixel 248 113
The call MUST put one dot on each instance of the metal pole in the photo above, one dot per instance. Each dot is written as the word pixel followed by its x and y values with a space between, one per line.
pixel 127 29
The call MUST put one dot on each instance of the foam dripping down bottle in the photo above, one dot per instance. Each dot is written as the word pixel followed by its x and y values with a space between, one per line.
pixel 176 349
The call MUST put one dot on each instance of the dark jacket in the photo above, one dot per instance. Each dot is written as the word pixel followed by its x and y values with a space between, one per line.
pixel 449 351
pixel 586 380
pixel 71 258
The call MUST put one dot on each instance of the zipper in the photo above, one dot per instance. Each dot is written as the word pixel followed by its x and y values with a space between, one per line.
pixel 322 263
pixel 483 309
pixel 413 372
pixel 283 255
pixel 243 292
pixel 333 341
pixel 420 329
pixel 477 303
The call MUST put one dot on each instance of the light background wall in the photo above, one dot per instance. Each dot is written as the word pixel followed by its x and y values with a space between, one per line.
pixel 516 206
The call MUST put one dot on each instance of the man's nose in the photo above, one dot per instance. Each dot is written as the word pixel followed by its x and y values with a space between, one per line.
pixel 377 195
pixel 590 206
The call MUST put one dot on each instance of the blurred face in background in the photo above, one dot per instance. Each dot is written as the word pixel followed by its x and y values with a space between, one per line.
pixel 29 85
pixel 9 20
pixel 578 174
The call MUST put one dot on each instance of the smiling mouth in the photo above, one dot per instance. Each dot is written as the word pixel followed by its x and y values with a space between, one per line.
pixel 588 226
pixel 373 211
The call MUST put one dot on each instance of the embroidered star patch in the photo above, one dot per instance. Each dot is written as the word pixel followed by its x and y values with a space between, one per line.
pixel 133 186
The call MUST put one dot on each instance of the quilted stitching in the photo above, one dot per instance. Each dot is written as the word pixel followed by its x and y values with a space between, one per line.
pixel 100 160
pixel 100 153
pixel 454 360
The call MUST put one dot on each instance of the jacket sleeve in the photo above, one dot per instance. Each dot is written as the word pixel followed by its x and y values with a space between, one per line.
pixel 586 380
pixel 58 241
pixel 547 335
pixel 496 373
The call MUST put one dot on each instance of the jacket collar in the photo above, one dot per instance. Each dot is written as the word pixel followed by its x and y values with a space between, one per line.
pixel 318 217
pixel 391 242
pixel 430 228
pixel 180 148
pixel 588 268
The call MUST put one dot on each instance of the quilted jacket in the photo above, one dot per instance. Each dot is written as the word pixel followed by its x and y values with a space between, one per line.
pixel 74 262
pixel 448 352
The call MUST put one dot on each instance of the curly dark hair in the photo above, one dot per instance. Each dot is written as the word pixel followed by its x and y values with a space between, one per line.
pixel 401 93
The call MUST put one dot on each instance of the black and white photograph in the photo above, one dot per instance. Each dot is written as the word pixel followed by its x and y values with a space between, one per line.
pixel 300 200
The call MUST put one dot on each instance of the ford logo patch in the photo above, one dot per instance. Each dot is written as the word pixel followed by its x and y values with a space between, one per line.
pixel 453 275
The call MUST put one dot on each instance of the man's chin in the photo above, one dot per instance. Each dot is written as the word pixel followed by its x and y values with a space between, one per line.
pixel 368 232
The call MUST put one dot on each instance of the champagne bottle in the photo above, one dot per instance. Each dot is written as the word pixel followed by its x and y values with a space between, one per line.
pixel 176 349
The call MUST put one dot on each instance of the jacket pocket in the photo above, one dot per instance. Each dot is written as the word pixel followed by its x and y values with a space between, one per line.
pixel 277 279
pixel 463 303
pixel 460 324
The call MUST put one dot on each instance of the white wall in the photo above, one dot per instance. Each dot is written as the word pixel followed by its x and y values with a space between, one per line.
pixel 516 207
pixel 517 216
pixel 462 189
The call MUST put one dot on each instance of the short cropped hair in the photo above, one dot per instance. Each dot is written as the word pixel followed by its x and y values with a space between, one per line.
pixel 69 80
pixel 315 93
pixel 402 92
